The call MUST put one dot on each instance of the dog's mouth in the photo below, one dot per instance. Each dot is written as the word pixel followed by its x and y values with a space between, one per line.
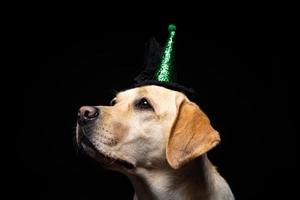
pixel 104 159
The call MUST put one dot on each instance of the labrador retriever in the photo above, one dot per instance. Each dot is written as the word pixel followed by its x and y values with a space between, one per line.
pixel 158 138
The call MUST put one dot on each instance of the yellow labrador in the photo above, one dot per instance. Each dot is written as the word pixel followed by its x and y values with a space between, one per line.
pixel 159 139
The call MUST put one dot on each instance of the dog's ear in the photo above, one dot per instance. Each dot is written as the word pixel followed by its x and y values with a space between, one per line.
pixel 191 134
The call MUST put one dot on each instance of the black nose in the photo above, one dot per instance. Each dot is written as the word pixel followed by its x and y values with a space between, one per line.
pixel 87 114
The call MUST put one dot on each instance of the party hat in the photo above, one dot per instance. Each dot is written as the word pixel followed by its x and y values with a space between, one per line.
pixel 159 65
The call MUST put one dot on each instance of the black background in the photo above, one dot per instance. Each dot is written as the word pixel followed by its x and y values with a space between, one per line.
pixel 235 62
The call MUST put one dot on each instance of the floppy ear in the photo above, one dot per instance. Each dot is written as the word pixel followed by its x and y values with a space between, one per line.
pixel 191 134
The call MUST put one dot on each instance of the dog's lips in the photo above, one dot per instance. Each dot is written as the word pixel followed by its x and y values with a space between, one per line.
pixel 102 157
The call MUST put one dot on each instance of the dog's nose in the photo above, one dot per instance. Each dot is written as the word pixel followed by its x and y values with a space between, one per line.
pixel 87 114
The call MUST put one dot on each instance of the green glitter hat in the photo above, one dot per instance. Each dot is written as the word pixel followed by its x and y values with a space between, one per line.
pixel 159 66
pixel 165 71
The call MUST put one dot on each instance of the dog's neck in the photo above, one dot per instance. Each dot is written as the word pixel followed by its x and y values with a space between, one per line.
pixel 196 180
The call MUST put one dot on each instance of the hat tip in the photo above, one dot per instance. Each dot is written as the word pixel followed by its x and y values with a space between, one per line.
pixel 172 27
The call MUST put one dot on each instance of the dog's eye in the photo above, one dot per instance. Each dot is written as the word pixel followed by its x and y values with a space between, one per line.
pixel 144 104
pixel 112 102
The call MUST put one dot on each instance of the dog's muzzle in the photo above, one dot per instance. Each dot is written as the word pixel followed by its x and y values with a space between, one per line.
pixel 87 115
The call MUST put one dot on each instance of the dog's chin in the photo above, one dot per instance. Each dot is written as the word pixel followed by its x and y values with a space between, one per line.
pixel 104 160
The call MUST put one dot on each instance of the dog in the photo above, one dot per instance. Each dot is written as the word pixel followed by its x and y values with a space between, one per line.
pixel 158 138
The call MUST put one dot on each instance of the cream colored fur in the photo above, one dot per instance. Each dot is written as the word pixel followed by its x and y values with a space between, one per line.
pixel 166 145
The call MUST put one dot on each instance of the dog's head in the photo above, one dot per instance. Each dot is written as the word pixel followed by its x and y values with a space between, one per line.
pixel 145 127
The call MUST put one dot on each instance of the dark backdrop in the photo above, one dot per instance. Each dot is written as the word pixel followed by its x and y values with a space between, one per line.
pixel 234 63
